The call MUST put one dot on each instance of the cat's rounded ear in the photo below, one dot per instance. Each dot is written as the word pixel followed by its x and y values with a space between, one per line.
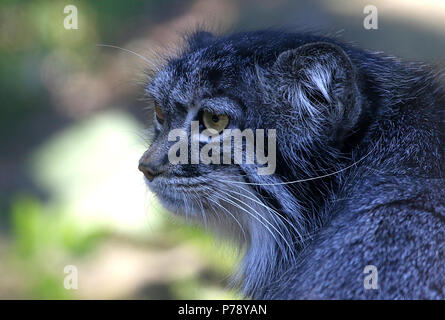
pixel 320 79
pixel 199 39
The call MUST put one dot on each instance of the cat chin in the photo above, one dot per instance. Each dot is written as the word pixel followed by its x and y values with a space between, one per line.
pixel 177 206
pixel 220 206
pixel 180 206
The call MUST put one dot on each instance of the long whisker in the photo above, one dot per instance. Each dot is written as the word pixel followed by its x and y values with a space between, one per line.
pixel 307 179
pixel 129 51
pixel 198 200
pixel 261 203
pixel 271 211
pixel 227 211
pixel 210 197
pixel 249 213
pixel 265 220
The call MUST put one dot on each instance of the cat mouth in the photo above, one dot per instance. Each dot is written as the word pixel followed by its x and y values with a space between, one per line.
pixel 195 195
pixel 178 183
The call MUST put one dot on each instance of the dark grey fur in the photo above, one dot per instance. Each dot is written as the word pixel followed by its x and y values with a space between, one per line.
pixel 374 121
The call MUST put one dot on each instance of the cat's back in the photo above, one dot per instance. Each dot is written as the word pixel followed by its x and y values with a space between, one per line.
pixel 401 234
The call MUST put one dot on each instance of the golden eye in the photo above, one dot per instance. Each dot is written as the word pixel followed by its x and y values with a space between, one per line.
pixel 217 122
pixel 159 114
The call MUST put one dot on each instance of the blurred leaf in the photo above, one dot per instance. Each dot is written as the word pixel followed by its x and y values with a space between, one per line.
pixel 49 287
pixel 25 216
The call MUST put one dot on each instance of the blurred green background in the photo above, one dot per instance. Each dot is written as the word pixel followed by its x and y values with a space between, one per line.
pixel 72 126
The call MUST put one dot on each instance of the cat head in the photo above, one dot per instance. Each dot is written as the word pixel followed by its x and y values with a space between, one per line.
pixel 299 89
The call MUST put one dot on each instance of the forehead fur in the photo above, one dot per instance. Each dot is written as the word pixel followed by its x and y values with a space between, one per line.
pixel 211 65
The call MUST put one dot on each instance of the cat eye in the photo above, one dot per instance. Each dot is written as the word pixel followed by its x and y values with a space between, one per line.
pixel 159 114
pixel 217 122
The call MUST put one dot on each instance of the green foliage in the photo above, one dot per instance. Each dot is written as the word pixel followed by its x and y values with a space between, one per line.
pixel 37 230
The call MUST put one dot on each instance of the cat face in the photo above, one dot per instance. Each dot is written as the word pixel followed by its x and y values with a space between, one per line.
pixel 185 95
pixel 303 94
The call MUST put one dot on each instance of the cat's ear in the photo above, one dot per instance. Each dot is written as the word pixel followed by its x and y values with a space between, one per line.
pixel 199 39
pixel 319 79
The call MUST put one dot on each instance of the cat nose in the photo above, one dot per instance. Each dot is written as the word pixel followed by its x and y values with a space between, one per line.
pixel 149 172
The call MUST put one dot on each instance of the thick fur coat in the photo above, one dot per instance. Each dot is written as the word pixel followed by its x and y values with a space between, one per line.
pixel 360 176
